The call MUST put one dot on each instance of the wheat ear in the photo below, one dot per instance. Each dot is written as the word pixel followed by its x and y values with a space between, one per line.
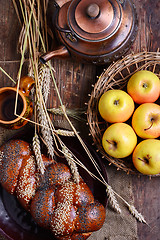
pixel 136 214
pixel 73 113
pixel 112 199
pixel 45 130
pixel 71 164
pixel 44 77
pixel 37 152
pixel 66 133
pixel 132 209
pixel 21 40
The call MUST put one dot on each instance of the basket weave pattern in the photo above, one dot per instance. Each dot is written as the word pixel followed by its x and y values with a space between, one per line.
pixel 116 76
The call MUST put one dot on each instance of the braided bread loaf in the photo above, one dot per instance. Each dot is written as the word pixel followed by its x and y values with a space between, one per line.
pixel 54 200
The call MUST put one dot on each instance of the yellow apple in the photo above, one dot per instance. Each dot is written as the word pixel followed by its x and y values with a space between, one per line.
pixel 146 120
pixel 116 106
pixel 119 140
pixel 144 86
pixel 146 157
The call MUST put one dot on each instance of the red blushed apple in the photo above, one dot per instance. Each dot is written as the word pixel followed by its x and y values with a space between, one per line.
pixel 146 157
pixel 144 86
pixel 119 140
pixel 116 106
pixel 146 120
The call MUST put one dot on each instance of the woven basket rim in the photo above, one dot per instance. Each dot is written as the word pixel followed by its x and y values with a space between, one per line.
pixel 108 79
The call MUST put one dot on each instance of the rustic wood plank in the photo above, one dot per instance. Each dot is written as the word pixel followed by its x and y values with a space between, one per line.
pixel 9 34
pixel 146 191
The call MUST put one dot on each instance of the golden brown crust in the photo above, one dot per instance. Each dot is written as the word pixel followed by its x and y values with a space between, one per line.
pixel 42 207
pixel 90 218
pixel 12 154
pixel 26 184
pixel 54 200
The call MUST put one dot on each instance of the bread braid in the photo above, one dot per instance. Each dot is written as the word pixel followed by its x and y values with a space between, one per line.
pixel 54 200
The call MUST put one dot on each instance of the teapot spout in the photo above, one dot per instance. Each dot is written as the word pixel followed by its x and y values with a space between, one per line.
pixel 61 52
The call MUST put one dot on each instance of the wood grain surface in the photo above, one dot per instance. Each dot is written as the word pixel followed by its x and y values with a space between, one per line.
pixel 75 81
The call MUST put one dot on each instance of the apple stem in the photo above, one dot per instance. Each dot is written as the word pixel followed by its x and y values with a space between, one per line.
pixel 150 125
pixel 109 141
pixel 113 143
pixel 145 160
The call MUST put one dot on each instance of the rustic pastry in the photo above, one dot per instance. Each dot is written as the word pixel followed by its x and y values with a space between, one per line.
pixel 54 200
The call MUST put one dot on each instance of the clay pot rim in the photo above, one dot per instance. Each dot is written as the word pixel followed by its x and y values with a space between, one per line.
pixel 24 105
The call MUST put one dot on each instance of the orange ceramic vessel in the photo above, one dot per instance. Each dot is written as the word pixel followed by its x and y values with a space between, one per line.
pixel 15 117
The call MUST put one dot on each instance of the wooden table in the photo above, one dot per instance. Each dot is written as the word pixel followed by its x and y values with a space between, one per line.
pixel 75 80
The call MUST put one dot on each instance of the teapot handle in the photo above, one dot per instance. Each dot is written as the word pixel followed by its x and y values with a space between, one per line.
pixel 59 28
pixel 69 34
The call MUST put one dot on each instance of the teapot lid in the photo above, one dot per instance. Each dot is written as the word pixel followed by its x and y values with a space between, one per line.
pixel 94 20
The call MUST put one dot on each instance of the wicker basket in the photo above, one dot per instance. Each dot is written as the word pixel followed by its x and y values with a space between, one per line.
pixel 116 76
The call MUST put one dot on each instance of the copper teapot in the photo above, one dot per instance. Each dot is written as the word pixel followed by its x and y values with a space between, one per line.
pixel 95 31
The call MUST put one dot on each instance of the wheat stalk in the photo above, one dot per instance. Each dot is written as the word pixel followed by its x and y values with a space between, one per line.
pixel 132 209
pixel 71 163
pixel 30 69
pixel 37 152
pixel 45 130
pixel 112 199
pixel 1 69
pixel 74 113
pixel 21 40
pixel 66 133
pixel 44 80
pixel 114 204
pixel 136 214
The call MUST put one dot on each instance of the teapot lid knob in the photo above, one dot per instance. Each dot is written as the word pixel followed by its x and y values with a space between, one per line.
pixel 93 10
pixel 94 20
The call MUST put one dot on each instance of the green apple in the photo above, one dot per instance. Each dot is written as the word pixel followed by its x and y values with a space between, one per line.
pixel 146 157
pixel 119 140
pixel 146 120
pixel 116 106
pixel 144 86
